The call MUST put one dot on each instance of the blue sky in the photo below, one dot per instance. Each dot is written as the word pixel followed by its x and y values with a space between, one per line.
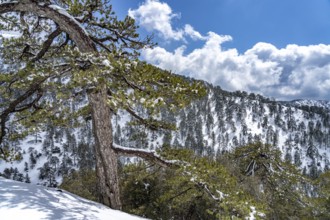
pixel 276 48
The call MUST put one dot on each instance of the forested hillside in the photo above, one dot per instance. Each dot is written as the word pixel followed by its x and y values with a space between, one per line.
pixel 214 125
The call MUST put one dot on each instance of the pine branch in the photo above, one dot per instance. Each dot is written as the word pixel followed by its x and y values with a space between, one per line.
pixel 12 107
pixel 152 124
pixel 47 44
pixel 145 154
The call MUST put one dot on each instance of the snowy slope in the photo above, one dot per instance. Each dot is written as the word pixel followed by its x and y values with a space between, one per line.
pixel 218 123
pixel 27 201
pixel 316 103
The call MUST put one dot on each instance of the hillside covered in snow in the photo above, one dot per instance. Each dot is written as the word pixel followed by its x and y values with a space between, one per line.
pixel 211 126
pixel 28 201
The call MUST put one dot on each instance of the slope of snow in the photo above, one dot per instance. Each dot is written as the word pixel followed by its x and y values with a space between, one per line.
pixel 213 125
pixel 317 103
pixel 26 201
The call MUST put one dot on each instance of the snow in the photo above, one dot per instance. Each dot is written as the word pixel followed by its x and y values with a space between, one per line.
pixel 7 1
pixel 223 139
pixel 253 213
pixel 10 34
pixel 26 201
pixel 65 13
pixel 150 152
pixel 107 63
pixel 317 103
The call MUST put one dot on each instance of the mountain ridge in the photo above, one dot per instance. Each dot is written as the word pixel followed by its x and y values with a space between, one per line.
pixel 311 103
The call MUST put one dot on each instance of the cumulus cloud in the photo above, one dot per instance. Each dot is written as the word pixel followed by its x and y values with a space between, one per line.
pixel 192 33
pixel 288 73
pixel 284 73
pixel 157 16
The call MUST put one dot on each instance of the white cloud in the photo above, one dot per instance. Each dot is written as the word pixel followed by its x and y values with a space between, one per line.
pixel 157 16
pixel 192 33
pixel 288 73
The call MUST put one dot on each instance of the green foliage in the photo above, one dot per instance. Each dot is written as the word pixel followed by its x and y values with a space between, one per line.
pixel 204 188
pixel 277 184
pixel 322 200
pixel 10 155
pixel 199 188
pixel 82 183
pixel 39 90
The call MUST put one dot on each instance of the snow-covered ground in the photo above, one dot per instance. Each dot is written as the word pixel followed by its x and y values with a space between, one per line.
pixel 27 201
pixel 316 103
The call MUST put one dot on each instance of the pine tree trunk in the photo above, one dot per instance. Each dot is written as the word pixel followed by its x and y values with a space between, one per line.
pixel 106 157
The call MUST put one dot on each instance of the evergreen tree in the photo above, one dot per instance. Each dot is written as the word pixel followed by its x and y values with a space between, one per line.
pixel 15 174
pixel 199 188
pixel 322 200
pixel 33 160
pixel 82 49
pixel 27 178
pixel 82 183
pixel 6 173
pixel 297 160
pixel 20 177
pixel 26 167
pixel 277 183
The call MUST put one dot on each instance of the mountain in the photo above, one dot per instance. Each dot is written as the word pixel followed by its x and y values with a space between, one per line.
pixel 26 201
pixel 215 124
pixel 225 120
pixel 312 103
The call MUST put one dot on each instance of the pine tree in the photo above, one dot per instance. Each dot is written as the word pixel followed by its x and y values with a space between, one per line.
pixel 6 173
pixel 277 183
pixel 26 167
pixel 33 160
pixel 199 188
pixel 27 178
pixel 322 200
pixel 15 173
pixel 20 177
pixel 97 55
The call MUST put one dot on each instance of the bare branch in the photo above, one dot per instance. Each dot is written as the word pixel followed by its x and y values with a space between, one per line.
pixel 12 107
pixel 101 44
pixel 107 38
pixel 208 191
pixel 31 104
pixel 145 154
pixel 152 124
pixel 47 44
pixel 24 24
pixel 67 23
pixel 179 194
pixel 133 86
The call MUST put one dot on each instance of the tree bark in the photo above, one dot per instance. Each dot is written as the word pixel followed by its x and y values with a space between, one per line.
pixel 106 157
